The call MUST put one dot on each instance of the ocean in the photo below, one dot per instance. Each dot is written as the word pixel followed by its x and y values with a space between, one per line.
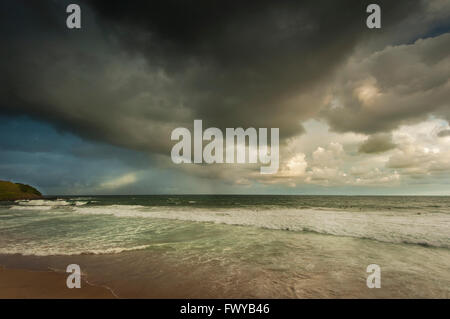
pixel 237 246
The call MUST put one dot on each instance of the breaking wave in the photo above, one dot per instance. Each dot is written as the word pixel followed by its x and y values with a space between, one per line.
pixel 42 204
pixel 427 229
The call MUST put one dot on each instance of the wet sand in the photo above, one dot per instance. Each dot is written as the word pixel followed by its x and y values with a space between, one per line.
pixel 333 271
pixel 26 284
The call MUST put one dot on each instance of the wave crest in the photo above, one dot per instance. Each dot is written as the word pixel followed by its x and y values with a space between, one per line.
pixel 393 227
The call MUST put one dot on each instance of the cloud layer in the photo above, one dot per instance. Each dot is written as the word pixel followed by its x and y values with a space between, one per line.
pixel 135 71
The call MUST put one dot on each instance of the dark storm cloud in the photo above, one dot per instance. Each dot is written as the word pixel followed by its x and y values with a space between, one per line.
pixel 398 85
pixel 136 70
pixel 377 143
pixel 444 133
pixel 249 60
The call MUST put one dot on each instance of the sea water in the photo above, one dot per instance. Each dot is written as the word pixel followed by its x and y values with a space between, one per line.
pixel 238 246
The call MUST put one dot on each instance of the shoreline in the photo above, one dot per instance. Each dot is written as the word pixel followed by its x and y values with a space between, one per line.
pixel 16 283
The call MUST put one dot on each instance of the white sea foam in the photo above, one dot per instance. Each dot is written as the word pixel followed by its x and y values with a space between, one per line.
pixel 41 251
pixel 80 203
pixel 17 207
pixel 43 202
pixel 430 229
pixel 45 205
pixel 116 210
pixel 395 227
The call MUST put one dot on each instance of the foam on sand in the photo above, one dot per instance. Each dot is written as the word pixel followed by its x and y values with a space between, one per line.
pixel 20 250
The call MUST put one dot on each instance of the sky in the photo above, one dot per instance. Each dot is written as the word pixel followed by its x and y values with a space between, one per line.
pixel 360 111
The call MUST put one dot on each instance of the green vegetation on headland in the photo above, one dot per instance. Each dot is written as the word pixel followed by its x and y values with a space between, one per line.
pixel 14 191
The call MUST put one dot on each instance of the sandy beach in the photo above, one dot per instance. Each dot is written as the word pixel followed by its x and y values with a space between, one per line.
pixel 25 284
